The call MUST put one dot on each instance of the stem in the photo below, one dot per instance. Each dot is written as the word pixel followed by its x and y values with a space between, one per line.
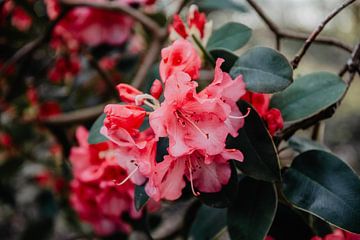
pixel 204 51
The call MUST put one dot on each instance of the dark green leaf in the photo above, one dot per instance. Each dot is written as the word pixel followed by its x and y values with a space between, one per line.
pixel 301 144
pixel 309 95
pixel 217 5
pixel 254 141
pixel 161 150
pixel 141 197
pixel 208 223
pixel 229 57
pixel 226 196
pixel 320 183
pixel 252 215
pixel 264 70
pixel 95 136
pixel 231 36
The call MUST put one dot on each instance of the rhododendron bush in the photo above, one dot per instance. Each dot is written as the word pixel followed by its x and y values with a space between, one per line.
pixel 140 119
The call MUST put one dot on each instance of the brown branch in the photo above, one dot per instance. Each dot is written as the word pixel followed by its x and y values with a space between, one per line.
pixel 151 55
pixel 32 46
pixel 74 117
pixel 104 75
pixel 295 62
pixel 352 67
pixel 115 6
pixel 293 35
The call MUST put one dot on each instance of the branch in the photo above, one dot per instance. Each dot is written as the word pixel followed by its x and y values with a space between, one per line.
pixel 316 32
pixel 104 75
pixel 151 55
pixel 115 6
pixel 74 117
pixel 352 67
pixel 30 47
pixel 279 34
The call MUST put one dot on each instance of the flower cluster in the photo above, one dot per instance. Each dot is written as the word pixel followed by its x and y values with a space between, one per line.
pixel 20 19
pixel 271 116
pixel 94 195
pixel 196 125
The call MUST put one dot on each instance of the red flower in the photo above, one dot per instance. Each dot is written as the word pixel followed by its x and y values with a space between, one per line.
pixel 49 109
pixel 127 93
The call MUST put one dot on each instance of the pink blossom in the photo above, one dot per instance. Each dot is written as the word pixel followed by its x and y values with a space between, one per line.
pixel 122 124
pixel 64 67
pixel 338 234
pixel 179 26
pixel 180 56
pixel 205 173
pixel 156 89
pixel 52 8
pixel 95 168
pixel 127 92
pixel 198 121
pixel 19 17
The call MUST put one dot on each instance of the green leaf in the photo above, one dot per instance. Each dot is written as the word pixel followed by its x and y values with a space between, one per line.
pixel 252 215
pixel 141 197
pixel 254 141
pixel 218 5
pixel 231 36
pixel 226 196
pixel 320 183
pixel 229 57
pixel 208 223
pixel 94 135
pixel 264 70
pixel 301 144
pixel 309 95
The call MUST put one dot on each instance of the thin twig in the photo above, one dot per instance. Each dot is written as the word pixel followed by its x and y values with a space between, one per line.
pixel 104 75
pixel 151 55
pixel 316 32
pixel 32 46
pixel 118 7
pixel 352 67
pixel 280 34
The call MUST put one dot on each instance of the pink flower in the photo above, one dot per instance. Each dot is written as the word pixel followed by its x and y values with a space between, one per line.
pixel 156 89
pixel 198 121
pixel 179 26
pixel 196 20
pixel 95 169
pixel 127 93
pixel 180 56
pixel 205 173
pixel 273 120
pixel 19 17
pixel 64 67
pixel 52 8
pixel 122 124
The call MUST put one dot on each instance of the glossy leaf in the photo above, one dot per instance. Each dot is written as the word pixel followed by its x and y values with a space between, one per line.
pixel 254 141
pixel 231 36
pixel 264 70
pixel 208 223
pixel 226 196
pixel 301 144
pixel 141 197
pixel 94 135
pixel 309 95
pixel 229 57
pixel 322 184
pixel 218 5
pixel 252 215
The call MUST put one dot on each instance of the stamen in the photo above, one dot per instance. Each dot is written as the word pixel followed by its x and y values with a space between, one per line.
pixel 241 117
pixel 107 153
pixel 191 180
pixel 127 178
pixel 144 97
pixel 206 135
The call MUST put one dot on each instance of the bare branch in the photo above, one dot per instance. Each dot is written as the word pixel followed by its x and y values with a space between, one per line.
pixel 104 75
pixel 32 46
pixel 293 35
pixel 352 68
pixel 116 6
pixel 316 32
